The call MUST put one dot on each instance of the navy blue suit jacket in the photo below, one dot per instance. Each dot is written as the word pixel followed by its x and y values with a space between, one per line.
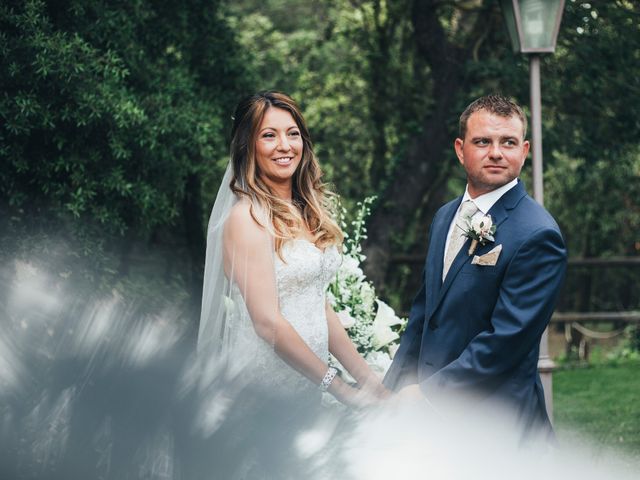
pixel 479 331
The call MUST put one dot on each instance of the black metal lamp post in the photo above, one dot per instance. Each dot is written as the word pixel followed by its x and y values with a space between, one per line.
pixel 533 27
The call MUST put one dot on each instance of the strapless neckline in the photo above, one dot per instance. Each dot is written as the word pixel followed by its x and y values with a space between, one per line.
pixel 313 245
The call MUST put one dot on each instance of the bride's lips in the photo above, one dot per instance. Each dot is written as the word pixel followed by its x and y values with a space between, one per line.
pixel 283 161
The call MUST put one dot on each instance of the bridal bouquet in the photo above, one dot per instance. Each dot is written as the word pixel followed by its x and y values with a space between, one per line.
pixel 372 324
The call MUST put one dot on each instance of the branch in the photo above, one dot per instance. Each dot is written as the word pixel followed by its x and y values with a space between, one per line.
pixel 627 6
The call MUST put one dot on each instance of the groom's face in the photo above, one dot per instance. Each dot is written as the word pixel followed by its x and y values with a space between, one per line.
pixel 492 152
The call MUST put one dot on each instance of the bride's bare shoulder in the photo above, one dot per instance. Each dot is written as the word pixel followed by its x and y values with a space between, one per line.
pixel 241 221
pixel 241 210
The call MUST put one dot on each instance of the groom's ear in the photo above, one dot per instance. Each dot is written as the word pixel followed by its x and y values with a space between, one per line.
pixel 525 149
pixel 457 145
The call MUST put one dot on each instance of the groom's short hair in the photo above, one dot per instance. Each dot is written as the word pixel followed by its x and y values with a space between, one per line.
pixel 496 104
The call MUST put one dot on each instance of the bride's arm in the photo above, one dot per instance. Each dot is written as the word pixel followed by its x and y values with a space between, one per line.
pixel 341 346
pixel 249 261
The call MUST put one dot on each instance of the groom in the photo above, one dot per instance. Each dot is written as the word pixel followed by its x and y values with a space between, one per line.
pixel 475 325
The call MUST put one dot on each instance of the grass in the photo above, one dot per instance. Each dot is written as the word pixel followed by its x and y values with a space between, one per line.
pixel 599 403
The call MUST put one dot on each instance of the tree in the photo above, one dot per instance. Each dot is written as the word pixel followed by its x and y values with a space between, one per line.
pixel 447 36
pixel 113 114
pixel 591 139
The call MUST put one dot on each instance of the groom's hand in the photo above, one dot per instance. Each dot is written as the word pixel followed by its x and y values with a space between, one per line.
pixel 372 384
pixel 410 392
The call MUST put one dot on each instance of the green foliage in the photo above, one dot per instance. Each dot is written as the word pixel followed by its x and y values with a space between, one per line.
pixel 628 349
pixel 107 109
pixel 593 183
pixel 355 230
pixel 595 201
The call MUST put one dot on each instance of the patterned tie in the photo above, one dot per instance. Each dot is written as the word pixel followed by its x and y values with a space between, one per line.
pixel 467 210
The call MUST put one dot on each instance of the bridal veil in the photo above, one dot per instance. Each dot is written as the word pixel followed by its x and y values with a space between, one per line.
pixel 240 297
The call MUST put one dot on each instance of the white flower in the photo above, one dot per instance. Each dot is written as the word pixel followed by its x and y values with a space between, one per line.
pixel 385 315
pixel 481 224
pixel 346 319
pixel 367 296
pixel 393 348
pixel 379 362
pixel 382 335
pixel 385 319
pixel 351 267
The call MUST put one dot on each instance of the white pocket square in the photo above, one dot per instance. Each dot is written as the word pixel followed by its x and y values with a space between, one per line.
pixel 489 259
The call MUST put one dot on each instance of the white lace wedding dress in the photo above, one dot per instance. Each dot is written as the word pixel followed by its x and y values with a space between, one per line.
pixel 271 403
pixel 302 277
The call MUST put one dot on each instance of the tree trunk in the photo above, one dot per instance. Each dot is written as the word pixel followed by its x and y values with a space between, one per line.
pixel 378 71
pixel 418 181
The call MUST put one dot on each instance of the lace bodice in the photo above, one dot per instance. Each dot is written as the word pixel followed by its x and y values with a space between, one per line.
pixel 302 283
pixel 302 276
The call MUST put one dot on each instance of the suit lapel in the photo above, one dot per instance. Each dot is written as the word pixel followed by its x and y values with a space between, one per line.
pixel 499 213
pixel 435 262
pixel 500 210
pixel 462 258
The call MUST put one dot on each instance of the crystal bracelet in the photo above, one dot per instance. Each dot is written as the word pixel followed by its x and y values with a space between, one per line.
pixel 328 378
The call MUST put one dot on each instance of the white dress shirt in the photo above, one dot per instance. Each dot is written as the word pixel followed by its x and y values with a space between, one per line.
pixel 484 203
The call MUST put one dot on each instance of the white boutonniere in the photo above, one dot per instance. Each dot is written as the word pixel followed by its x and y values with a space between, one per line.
pixel 480 229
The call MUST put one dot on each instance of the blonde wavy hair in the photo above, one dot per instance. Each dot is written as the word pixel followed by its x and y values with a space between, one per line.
pixel 312 202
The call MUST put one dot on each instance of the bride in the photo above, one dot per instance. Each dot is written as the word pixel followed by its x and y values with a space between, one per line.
pixel 272 250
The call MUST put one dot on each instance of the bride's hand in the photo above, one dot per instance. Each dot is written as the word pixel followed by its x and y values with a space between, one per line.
pixel 353 397
pixel 369 394
pixel 372 384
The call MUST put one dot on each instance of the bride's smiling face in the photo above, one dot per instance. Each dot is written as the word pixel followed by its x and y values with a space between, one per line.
pixel 278 146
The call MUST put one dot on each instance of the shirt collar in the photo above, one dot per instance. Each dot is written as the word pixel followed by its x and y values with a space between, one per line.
pixel 485 201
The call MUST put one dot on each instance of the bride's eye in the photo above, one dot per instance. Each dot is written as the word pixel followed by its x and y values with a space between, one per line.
pixel 294 133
